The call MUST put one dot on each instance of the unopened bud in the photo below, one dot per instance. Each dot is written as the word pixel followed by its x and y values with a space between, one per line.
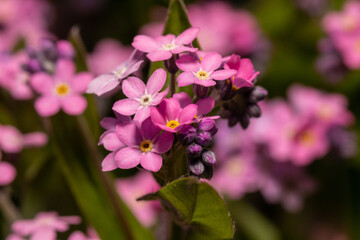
pixel 208 157
pixel 203 138
pixel 194 151
pixel 208 125
pixel 197 167
pixel 187 134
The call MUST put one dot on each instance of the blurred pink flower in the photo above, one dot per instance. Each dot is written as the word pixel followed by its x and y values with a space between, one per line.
pixel 61 91
pixel 349 48
pixel 7 173
pixel 203 72
pixel 144 145
pixel 78 235
pixel 141 97
pixel 163 47
pixel 169 116
pixel 135 187
pixel 44 225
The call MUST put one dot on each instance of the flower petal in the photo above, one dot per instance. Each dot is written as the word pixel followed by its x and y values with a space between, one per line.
pixel 188 63
pixel 42 83
pixel 187 36
pixel 222 74
pixel 47 105
pixel 185 79
pixel 142 114
pixel 133 87
pixel 129 134
pixel 157 117
pixel 170 107
pixel 164 142
pixel 183 98
pixel 211 61
pixel 151 161
pixel 103 84
pixel 183 49
pixel 109 164
pixel 35 139
pixel 188 113
pixel 44 233
pixel 74 105
pixel 205 83
pixel 205 105
pixel 159 97
pixel 156 81
pixel 126 107
pixel 7 173
pixel 128 158
pixel 65 70
pixel 145 43
pixel 111 141
pixel 159 55
pixel 81 81
pixel 148 130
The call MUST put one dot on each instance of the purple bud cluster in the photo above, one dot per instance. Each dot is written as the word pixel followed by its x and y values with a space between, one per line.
pixel 198 139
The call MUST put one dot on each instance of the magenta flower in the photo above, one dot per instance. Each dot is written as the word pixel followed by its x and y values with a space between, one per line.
pixel 245 71
pixel 141 98
pixel 144 145
pixel 61 91
pixel 109 81
pixel 205 105
pixel 44 225
pixel 203 72
pixel 163 47
pixel 169 116
pixel 111 141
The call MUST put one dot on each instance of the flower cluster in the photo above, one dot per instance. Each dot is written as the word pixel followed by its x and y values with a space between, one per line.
pixel 270 154
pixel 162 114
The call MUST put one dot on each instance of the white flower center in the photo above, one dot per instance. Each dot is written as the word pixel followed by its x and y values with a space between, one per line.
pixel 146 100
pixel 169 46
pixel 202 75
pixel 119 72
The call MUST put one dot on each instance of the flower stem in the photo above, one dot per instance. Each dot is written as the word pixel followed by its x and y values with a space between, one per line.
pixel 8 208
pixel 172 84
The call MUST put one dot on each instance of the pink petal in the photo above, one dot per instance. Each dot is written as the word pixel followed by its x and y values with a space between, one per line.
pixel 128 158
pixel 187 36
pixel 240 82
pixel 111 141
pixel 205 83
pixel 151 161
pixel 159 97
pixel 109 164
pixel 164 142
pixel 81 81
pixel 44 233
pixel 103 84
pixel 234 62
pixel 133 87
pixel 185 79
pixel 205 105
pixel 183 98
pixel 126 107
pixel 108 123
pixel 157 117
pixel 70 219
pixel 246 68
pixel 129 134
pixel 145 43
pixel 148 130
pixel 7 173
pixel 42 83
pixel 47 105
pixel 142 114
pixel 156 81
pixel 168 38
pixel 36 139
pixel 183 49
pixel 159 55
pixel 74 105
pixel 188 63
pixel 188 113
pixel 170 107
pixel 65 70
pixel 211 61
pixel 222 74
pixel 24 227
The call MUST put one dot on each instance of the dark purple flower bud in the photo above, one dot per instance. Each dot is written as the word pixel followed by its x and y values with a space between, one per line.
pixel 170 65
pixel 208 125
pixel 200 91
pixel 244 121
pixel 258 94
pixel 197 167
pixel 193 151
pixel 208 157
pixel 187 134
pixel 208 172
pixel 203 138
pixel 254 110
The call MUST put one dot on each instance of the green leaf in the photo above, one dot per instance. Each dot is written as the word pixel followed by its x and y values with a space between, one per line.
pixel 198 206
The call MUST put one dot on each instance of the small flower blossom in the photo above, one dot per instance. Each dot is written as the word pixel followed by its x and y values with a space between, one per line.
pixel 109 81
pixel 245 71
pixel 77 235
pixel 61 91
pixel 44 225
pixel 203 72
pixel 144 145
pixel 163 47
pixel 141 98
pixel 7 173
pixel 170 117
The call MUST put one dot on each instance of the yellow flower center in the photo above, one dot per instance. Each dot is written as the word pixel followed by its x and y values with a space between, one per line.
pixel 146 146
pixel 62 89
pixel 235 166
pixel 172 124
pixel 202 75
pixel 307 138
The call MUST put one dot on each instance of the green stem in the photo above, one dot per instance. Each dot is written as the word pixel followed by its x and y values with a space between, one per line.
pixel 8 208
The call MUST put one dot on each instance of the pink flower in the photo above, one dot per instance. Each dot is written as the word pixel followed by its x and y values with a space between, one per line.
pixel 44 225
pixel 245 71
pixel 203 72
pixel 61 91
pixel 169 116
pixel 349 48
pixel 135 187
pixel 205 105
pixel 163 47
pixel 109 81
pixel 141 98
pixel 144 145
pixel 111 141
pixel 7 173
pixel 77 235
pixel 12 141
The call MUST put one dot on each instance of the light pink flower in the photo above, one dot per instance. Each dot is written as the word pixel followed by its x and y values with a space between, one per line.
pixel 111 141
pixel 163 47
pixel 205 105
pixel 141 97
pixel 169 116
pixel 7 173
pixel 12 141
pixel 78 235
pixel 144 145
pixel 61 91
pixel 44 225
pixel 203 72
pixel 349 48
pixel 135 187
pixel 245 71
pixel 109 81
